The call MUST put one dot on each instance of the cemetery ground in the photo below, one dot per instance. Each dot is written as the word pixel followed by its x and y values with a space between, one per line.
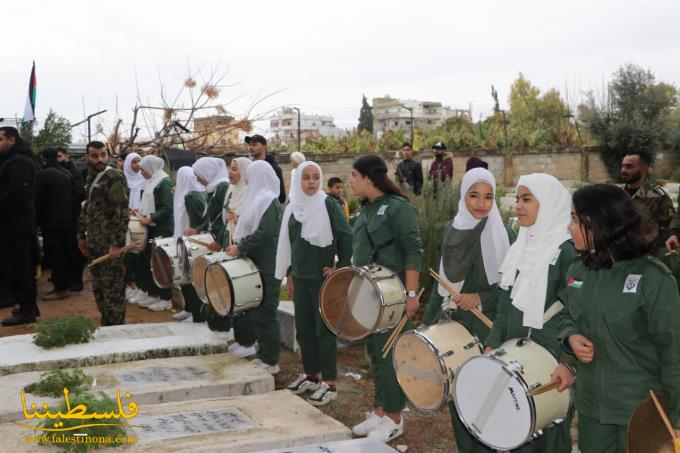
pixel 424 432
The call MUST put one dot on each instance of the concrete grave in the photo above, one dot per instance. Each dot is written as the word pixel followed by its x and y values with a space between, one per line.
pixel 113 344
pixel 363 445
pixel 237 424
pixel 151 381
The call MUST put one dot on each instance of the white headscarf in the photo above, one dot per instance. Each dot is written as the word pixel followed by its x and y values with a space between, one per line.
pixel 186 182
pixel 537 247
pixel 262 188
pixel 311 212
pixel 154 166
pixel 135 181
pixel 213 170
pixel 237 191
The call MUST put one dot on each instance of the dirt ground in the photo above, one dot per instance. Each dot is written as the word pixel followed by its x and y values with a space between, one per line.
pixel 424 432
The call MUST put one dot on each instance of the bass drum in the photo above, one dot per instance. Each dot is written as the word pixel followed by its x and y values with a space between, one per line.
pixel 136 232
pixel 426 360
pixel 199 266
pixel 165 263
pixel 233 285
pixel 492 394
pixel 359 301
pixel 187 251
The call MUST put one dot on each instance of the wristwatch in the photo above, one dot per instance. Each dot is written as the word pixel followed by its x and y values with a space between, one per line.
pixel 411 293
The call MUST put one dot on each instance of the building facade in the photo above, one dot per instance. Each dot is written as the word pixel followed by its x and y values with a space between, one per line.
pixel 391 114
pixel 217 131
pixel 284 127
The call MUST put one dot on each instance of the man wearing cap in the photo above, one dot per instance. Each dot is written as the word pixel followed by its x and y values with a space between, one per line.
pixel 258 151
pixel 442 166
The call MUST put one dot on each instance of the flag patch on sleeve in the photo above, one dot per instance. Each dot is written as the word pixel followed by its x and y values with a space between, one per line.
pixel 575 283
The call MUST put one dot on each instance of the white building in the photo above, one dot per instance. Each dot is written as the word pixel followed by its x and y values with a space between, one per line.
pixel 284 126
pixel 390 114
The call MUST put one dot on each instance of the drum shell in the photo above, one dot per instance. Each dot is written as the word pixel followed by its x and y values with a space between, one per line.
pixel 187 251
pixel 164 251
pixel 439 350
pixel 136 232
pixel 237 278
pixel 199 266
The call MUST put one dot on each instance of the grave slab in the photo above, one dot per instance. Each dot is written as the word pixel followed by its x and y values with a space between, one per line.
pixel 237 424
pixel 151 381
pixel 113 344
pixel 363 445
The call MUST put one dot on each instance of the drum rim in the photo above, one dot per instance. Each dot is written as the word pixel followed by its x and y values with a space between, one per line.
pixel 532 405
pixel 360 270
pixel 161 249
pixel 186 247
pixel 198 293
pixel 231 290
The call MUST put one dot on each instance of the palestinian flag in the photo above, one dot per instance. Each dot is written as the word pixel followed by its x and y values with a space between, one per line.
pixel 29 110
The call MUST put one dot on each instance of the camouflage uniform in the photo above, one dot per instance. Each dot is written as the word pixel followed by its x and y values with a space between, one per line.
pixel 103 223
pixel 655 202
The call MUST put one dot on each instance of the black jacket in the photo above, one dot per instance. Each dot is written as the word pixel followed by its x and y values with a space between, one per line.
pixel 272 161
pixel 78 180
pixel 410 172
pixel 54 198
pixel 17 193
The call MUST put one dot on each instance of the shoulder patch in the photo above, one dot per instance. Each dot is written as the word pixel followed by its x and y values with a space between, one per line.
pixel 631 283
pixel 660 191
pixel 382 209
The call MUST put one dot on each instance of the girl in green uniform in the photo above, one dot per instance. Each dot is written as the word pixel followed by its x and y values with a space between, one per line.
pixel 189 207
pixel 473 248
pixel 313 231
pixel 385 233
pixel 136 183
pixel 533 273
pixel 623 320
pixel 256 236
pixel 155 212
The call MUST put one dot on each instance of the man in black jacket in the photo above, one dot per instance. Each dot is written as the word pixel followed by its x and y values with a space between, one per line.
pixel 258 151
pixel 409 172
pixel 17 224
pixel 76 260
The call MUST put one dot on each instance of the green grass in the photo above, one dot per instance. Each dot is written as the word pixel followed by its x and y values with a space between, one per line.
pixel 54 382
pixel 60 332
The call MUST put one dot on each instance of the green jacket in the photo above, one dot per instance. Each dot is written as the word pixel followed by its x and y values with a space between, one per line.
pixel 631 313
pixel 163 223
pixel 509 319
pixel 391 224
pixel 195 204
pixel 475 282
pixel 308 260
pixel 213 222
pixel 261 245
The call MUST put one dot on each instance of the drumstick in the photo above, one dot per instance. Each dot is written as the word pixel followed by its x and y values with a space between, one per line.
pixel 108 256
pixel 664 417
pixel 475 311
pixel 196 241
pixel 231 232
pixel 544 388
pixel 397 330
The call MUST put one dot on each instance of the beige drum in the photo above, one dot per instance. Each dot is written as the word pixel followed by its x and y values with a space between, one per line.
pixel 491 393
pixel 426 361
pixel 233 285
pixel 136 233
pixel 199 265
pixel 165 263
pixel 187 251
pixel 359 301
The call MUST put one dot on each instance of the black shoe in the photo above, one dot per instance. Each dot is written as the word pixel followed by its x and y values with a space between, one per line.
pixel 76 287
pixel 18 320
pixel 17 312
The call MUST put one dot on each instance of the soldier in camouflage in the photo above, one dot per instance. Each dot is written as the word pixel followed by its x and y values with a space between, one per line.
pixel 652 199
pixel 102 229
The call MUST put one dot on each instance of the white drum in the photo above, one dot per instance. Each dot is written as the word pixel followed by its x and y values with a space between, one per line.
pixel 199 266
pixel 233 285
pixel 426 360
pixel 165 263
pixel 136 233
pixel 188 250
pixel 359 301
pixel 491 393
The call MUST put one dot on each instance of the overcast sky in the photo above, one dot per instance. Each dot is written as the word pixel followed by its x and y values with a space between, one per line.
pixel 322 56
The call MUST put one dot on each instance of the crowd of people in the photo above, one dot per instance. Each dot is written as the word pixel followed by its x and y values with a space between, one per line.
pixel 581 276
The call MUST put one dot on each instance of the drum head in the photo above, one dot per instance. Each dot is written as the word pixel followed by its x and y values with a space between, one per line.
pixel 419 371
pixel 218 288
pixel 162 268
pixel 492 403
pixel 350 304
pixel 198 268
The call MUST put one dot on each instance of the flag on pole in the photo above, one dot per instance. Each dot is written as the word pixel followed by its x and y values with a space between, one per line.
pixel 29 110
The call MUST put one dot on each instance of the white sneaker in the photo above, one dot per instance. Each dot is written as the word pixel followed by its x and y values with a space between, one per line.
pixel 189 319
pixel 387 430
pixel 137 295
pixel 372 422
pixel 232 347
pixel 182 315
pixel 129 292
pixel 271 369
pixel 161 306
pixel 303 384
pixel 244 351
pixel 324 395
pixel 148 301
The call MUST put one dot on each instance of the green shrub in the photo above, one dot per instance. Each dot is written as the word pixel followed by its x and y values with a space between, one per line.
pixel 54 382
pixel 71 329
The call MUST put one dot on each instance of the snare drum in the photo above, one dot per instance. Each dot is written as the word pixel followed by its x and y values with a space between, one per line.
pixel 233 285
pixel 198 267
pixel 426 360
pixel 359 301
pixel 136 232
pixel 187 251
pixel 165 263
pixel 491 393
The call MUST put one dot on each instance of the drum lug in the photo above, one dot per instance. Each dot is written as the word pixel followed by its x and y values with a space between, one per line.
pixel 521 342
pixel 558 421
pixel 448 354
pixel 471 344
pixel 514 367
pixel 499 353
pixel 533 387
pixel 537 434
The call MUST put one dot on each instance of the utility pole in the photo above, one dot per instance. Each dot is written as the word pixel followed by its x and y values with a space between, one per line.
pixel 410 109
pixel 298 127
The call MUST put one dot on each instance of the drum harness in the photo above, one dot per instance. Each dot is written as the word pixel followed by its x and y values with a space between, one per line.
pixel 373 257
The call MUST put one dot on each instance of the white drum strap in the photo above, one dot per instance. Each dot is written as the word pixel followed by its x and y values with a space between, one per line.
pixel 96 179
pixel 491 401
pixel 555 308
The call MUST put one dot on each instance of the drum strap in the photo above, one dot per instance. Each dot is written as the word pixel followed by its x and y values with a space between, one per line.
pixel 373 257
pixel 555 308
pixel 96 180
